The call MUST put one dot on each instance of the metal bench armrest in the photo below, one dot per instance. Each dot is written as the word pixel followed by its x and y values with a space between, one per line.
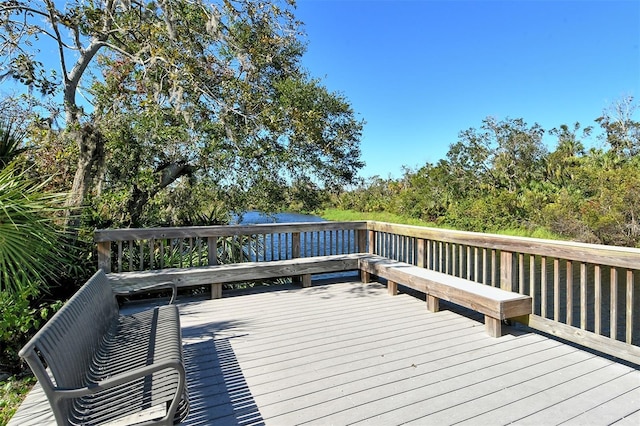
pixel 123 378
pixel 129 376
pixel 166 284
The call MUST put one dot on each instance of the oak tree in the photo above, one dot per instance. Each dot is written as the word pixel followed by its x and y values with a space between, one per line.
pixel 186 88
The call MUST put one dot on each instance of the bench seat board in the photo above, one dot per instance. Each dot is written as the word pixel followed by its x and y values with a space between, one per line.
pixel 491 301
pixel 227 273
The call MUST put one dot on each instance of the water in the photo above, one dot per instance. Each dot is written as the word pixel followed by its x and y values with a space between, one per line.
pixel 278 246
pixel 256 217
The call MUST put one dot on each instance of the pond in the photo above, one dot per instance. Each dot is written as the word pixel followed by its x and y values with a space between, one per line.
pixel 256 217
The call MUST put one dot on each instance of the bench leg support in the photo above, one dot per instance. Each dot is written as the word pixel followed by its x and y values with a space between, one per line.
pixel 216 291
pixel 493 326
pixel 306 280
pixel 433 303
pixel 392 287
pixel 365 277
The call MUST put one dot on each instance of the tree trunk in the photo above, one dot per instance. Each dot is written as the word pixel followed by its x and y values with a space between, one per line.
pixel 90 158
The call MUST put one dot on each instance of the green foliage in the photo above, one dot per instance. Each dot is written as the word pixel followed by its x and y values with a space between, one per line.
pixel 305 196
pixel 11 142
pixel 483 214
pixel 622 129
pixel 22 316
pixel 501 178
pixel 350 215
pixel 34 250
pixel 12 392
pixel 212 93
pixel 31 252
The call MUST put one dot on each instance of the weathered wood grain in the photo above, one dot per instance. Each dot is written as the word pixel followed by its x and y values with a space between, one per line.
pixel 227 273
pixel 623 257
pixel 102 235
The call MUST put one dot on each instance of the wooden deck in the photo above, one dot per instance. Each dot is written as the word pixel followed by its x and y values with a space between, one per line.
pixel 347 353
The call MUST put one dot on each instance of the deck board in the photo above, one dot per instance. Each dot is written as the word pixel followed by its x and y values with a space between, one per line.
pixel 349 353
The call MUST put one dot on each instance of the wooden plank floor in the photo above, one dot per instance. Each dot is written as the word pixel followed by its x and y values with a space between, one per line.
pixel 347 353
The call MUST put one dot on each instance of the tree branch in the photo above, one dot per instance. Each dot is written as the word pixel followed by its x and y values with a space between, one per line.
pixel 11 8
pixel 57 38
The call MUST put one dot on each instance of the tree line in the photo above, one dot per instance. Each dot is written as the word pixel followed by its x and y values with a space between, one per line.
pixel 501 176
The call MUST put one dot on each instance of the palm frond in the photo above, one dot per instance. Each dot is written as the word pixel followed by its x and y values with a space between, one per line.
pixel 11 142
pixel 31 245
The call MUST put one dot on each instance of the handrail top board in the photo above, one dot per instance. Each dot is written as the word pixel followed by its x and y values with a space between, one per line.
pixel 622 257
pixel 107 235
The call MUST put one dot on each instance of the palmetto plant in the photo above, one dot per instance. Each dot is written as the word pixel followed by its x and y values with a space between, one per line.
pixel 11 142
pixel 31 249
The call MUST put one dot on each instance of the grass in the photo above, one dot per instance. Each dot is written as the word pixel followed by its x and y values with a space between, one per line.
pixel 541 233
pixel 13 390
pixel 337 215
pixel 350 215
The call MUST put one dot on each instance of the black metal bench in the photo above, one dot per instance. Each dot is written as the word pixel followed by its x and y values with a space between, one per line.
pixel 98 366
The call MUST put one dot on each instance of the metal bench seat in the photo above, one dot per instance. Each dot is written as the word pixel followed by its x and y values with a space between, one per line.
pixel 104 366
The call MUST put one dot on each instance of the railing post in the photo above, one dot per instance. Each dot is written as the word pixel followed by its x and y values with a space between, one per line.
pixel 104 256
pixel 421 261
pixel 370 234
pixel 372 241
pixel 212 259
pixel 506 271
pixel 295 245
pixel 212 250
pixel 295 253
pixel 362 240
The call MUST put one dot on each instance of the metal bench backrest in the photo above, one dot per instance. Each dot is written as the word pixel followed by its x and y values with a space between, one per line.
pixel 68 341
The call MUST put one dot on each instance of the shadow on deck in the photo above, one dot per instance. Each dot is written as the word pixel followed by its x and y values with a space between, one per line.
pixel 218 391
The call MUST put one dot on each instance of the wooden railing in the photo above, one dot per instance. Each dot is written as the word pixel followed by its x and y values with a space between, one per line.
pixel 157 248
pixel 584 293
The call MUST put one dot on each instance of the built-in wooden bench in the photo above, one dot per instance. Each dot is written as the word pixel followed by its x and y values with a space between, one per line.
pixel 216 275
pixel 496 304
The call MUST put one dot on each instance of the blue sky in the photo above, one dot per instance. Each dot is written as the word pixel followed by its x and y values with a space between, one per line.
pixel 421 71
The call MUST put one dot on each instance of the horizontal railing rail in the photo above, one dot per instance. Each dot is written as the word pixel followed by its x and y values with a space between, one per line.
pixel 584 293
